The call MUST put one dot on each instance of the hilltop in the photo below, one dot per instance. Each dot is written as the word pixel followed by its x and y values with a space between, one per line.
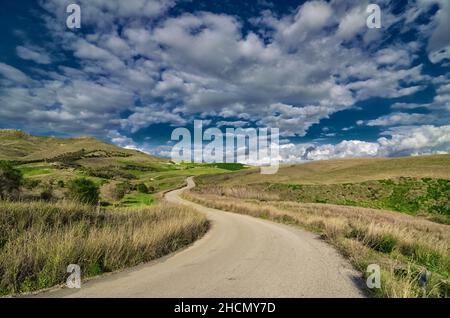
pixel 21 146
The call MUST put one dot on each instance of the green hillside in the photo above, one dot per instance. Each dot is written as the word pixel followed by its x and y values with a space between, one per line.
pixel 23 147
pixel 48 163
pixel 414 185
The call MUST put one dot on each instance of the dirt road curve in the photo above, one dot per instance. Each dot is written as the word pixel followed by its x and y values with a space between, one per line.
pixel 240 256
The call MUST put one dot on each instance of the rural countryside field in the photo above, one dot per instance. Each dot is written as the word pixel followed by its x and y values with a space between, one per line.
pixel 393 212
pixel 225 157
pixel 82 201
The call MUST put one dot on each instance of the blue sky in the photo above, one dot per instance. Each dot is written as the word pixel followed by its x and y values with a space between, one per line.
pixel 137 69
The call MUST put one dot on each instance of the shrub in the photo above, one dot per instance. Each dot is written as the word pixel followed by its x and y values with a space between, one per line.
pixel 46 194
pixel 61 183
pixel 141 187
pixel 84 190
pixel 10 180
pixel 114 191
pixel 30 184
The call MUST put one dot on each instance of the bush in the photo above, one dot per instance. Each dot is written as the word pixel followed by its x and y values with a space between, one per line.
pixel 46 194
pixel 84 190
pixel 114 191
pixel 61 183
pixel 31 184
pixel 10 180
pixel 142 188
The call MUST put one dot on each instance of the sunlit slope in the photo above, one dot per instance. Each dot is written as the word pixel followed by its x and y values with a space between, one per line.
pixel 20 146
pixel 350 171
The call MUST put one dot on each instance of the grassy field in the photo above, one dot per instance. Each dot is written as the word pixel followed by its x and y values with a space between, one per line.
pixel 336 199
pixel 414 185
pixel 39 240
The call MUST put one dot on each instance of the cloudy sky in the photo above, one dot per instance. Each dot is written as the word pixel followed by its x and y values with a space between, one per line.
pixel 137 69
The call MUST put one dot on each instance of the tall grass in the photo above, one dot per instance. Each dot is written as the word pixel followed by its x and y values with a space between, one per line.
pixel 39 240
pixel 426 197
pixel 404 246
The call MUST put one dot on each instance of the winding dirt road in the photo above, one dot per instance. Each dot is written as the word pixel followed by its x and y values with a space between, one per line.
pixel 240 256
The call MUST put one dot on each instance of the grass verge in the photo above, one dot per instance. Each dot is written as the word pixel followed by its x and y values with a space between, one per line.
pixel 39 240
pixel 364 236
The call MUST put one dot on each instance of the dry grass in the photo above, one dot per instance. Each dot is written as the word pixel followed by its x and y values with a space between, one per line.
pixel 38 240
pixel 345 171
pixel 402 245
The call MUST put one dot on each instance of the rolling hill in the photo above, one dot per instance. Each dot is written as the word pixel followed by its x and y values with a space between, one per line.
pixel 350 171
pixel 49 160
pixel 22 147
pixel 414 185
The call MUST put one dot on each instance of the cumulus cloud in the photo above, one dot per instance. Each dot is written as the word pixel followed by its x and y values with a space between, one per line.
pixel 421 139
pixel 211 67
pixel 413 140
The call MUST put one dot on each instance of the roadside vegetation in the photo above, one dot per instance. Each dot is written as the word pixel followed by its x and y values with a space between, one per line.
pixel 405 247
pixel 39 240
pixel 425 197
pixel 411 243
pixel 40 237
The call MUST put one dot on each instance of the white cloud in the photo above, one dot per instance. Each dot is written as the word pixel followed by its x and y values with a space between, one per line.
pixel 294 120
pixel 12 74
pixel 34 54
pixel 142 117
pixel 402 119
pixel 352 23
pixel 413 140
pixel 439 44
pixel 420 139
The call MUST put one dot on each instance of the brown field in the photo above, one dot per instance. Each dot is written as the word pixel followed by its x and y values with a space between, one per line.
pixel 347 171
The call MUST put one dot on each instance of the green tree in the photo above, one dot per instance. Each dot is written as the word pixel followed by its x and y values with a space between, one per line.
pixel 10 180
pixel 84 190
